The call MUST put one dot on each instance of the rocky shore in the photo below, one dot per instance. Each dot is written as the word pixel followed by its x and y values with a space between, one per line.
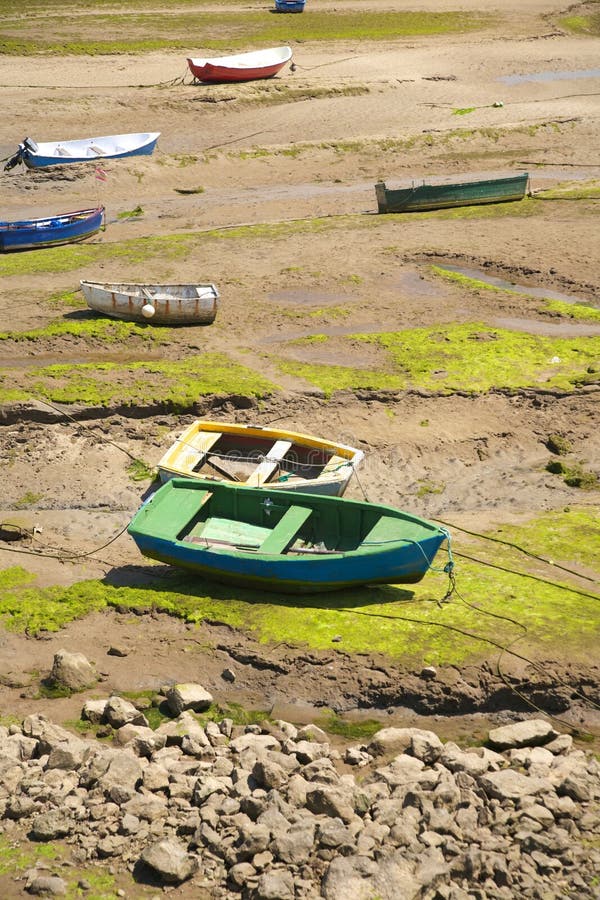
pixel 275 812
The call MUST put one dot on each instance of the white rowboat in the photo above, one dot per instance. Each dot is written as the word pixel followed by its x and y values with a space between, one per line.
pixel 158 304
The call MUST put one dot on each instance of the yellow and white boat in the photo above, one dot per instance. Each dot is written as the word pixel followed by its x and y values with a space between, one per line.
pixel 257 456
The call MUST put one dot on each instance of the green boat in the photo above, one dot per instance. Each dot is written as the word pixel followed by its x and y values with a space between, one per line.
pixel 439 196
pixel 282 541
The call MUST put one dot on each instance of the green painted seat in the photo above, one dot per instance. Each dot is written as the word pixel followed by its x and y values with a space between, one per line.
pixel 382 531
pixel 286 530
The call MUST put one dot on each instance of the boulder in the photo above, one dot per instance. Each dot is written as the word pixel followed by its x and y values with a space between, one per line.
pixel 72 671
pixel 51 825
pixel 276 884
pixel 170 860
pixel 363 878
pixel 530 733
pixel 119 712
pixel 93 711
pixel 181 697
pixel 510 785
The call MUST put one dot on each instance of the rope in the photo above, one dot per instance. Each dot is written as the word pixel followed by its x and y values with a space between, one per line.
pixel 59 554
pixel 91 430
pixel 519 548
pixel 543 670
pixel 477 637
pixel 556 584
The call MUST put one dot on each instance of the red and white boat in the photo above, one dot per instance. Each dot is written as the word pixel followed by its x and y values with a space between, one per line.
pixel 243 67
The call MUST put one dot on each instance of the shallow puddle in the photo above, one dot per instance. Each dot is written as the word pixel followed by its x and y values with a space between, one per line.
pixel 318 298
pixel 542 292
pixel 332 331
pixel 415 284
pixel 550 76
pixel 548 329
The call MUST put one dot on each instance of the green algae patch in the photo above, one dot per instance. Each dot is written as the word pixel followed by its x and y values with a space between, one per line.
pixel 93 329
pixel 468 357
pixel 60 34
pixel 588 190
pixel 17 858
pixel 573 310
pixel 562 308
pixel 14 577
pixel 503 595
pixel 33 610
pixel 178 384
pixel 574 474
pixel 469 283
pixel 330 379
pixel 588 25
pixel 49 259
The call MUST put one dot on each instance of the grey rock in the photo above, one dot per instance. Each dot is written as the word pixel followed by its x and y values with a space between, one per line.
pixel 51 825
pixel 72 671
pixel 312 733
pixel 18 746
pixel 393 740
pixel 426 746
pixel 45 733
pixel 184 725
pixel 354 756
pixel 328 801
pixel 240 873
pixel 362 878
pixel 295 846
pixel 121 777
pixel 510 785
pixel 269 774
pixel 43 883
pixel 170 860
pixel 119 712
pixel 275 885
pixel 253 840
pixel 93 711
pixel 68 756
pixel 522 734
pixel 182 697
pixel 141 740
pixel 577 788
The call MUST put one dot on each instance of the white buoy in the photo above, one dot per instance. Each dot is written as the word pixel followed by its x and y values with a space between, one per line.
pixel 148 310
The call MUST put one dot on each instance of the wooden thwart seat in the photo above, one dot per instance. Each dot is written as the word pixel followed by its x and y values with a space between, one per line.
pixel 196 450
pixel 269 464
pixel 286 530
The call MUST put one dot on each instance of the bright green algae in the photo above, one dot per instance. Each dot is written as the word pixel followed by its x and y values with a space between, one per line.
pixel 178 384
pixel 404 624
pixel 469 357
pixel 109 332
pixel 15 859
pixel 233 29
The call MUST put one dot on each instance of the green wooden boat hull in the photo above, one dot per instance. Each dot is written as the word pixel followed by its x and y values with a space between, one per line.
pixel 279 541
pixel 439 196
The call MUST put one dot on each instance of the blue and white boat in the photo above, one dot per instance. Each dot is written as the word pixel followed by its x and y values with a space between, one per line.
pixel 94 149
pixel 66 228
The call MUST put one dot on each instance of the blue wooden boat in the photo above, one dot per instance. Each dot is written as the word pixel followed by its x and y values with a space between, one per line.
pixel 289 6
pixel 281 541
pixel 29 234
pixel 95 149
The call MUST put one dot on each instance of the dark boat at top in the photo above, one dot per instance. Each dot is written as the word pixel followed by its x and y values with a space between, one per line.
pixel 419 198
